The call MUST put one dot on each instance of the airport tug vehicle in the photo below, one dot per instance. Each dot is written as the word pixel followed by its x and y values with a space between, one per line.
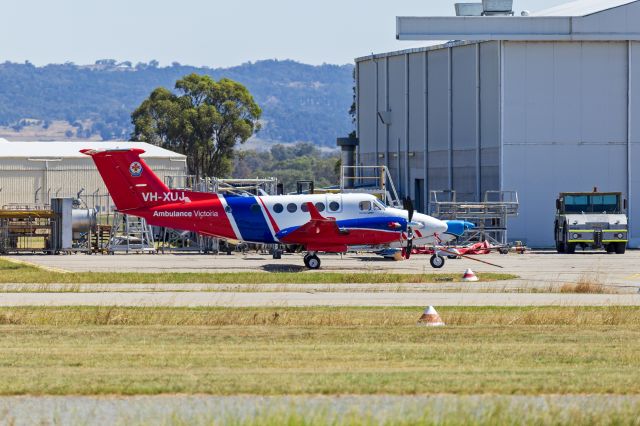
pixel 595 220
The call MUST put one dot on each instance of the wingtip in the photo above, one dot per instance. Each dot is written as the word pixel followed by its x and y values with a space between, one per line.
pixel 313 210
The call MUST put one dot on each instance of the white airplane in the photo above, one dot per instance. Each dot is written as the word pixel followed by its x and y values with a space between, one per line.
pixel 329 223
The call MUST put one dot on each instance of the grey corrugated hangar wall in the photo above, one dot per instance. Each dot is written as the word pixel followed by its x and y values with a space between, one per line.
pixel 538 117
pixel 442 110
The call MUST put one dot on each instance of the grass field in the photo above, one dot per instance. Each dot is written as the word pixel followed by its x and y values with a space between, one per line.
pixel 530 351
pixel 18 272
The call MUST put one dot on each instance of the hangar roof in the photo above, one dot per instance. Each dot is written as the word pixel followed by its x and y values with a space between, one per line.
pixel 68 149
pixel 581 7
pixel 601 20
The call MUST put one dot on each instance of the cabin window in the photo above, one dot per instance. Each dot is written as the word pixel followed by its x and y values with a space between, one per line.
pixel 278 208
pixel 377 205
pixel 320 207
pixel 334 206
pixel 255 209
pixel 304 207
pixel 365 205
pixel 292 208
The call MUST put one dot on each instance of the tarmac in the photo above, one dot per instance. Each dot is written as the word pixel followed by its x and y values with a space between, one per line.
pixel 307 299
pixel 540 275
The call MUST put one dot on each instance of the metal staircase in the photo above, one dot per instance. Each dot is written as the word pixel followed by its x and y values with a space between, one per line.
pixel 374 180
pixel 175 240
pixel 130 234
pixel 490 216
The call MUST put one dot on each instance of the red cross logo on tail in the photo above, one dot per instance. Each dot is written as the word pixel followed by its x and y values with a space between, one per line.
pixel 135 169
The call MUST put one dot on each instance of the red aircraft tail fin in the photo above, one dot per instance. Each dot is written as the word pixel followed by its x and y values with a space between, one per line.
pixel 130 181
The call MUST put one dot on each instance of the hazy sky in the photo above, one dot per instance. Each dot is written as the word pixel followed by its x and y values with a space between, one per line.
pixel 209 32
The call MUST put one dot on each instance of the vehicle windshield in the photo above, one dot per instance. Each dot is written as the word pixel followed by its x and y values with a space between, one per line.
pixel 591 203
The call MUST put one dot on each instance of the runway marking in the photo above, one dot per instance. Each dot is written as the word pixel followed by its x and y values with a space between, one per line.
pixel 36 265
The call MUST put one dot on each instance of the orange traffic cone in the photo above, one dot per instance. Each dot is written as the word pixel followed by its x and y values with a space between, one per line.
pixel 469 276
pixel 430 318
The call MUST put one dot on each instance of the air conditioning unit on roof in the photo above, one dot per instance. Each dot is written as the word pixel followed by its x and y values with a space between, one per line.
pixel 497 7
pixel 469 9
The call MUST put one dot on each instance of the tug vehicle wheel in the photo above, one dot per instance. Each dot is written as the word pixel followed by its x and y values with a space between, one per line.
pixel 620 248
pixel 436 261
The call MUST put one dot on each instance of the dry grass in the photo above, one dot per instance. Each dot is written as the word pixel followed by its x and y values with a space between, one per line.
pixel 589 284
pixel 12 272
pixel 318 316
pixel 318 351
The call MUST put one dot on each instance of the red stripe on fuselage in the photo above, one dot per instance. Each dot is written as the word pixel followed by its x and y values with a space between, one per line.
pixel 354 237
pixel 273 222
pixel 206 216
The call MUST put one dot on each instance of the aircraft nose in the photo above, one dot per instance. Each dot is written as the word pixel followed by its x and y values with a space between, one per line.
pixel 434 225
pixel 442 226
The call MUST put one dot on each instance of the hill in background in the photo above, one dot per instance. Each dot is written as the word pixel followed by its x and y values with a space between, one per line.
pixel 300 102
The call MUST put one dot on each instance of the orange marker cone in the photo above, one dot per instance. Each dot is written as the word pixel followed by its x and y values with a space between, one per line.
pixel 430 318
pixel 469 276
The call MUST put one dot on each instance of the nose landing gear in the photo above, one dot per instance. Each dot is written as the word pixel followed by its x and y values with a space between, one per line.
pixel 312 261
pixel 436 261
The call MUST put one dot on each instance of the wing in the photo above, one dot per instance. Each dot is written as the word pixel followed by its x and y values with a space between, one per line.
pixel 319 234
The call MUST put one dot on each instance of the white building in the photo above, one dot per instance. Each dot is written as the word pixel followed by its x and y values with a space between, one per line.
pixel 539 104
pixel 34 172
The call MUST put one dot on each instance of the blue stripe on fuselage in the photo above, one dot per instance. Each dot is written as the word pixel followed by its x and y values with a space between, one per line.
pixel 250 220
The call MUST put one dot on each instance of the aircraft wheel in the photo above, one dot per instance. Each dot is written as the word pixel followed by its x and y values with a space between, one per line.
pixel 312 261
pixel 436 261
pixel 277 254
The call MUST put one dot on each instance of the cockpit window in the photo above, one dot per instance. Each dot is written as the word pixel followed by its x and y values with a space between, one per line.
pixel 377 205
pixel 365 205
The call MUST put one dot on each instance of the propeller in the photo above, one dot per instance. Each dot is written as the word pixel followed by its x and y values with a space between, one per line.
pixel 407 204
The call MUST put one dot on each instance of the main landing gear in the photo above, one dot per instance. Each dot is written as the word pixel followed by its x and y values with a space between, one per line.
pixel 311 261
pixel 436 261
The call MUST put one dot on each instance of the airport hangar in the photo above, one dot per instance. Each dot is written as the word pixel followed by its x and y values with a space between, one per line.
pixel 31 173
pixel 538 104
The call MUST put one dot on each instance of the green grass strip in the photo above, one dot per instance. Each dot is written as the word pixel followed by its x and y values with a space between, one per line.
pixel 22 273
